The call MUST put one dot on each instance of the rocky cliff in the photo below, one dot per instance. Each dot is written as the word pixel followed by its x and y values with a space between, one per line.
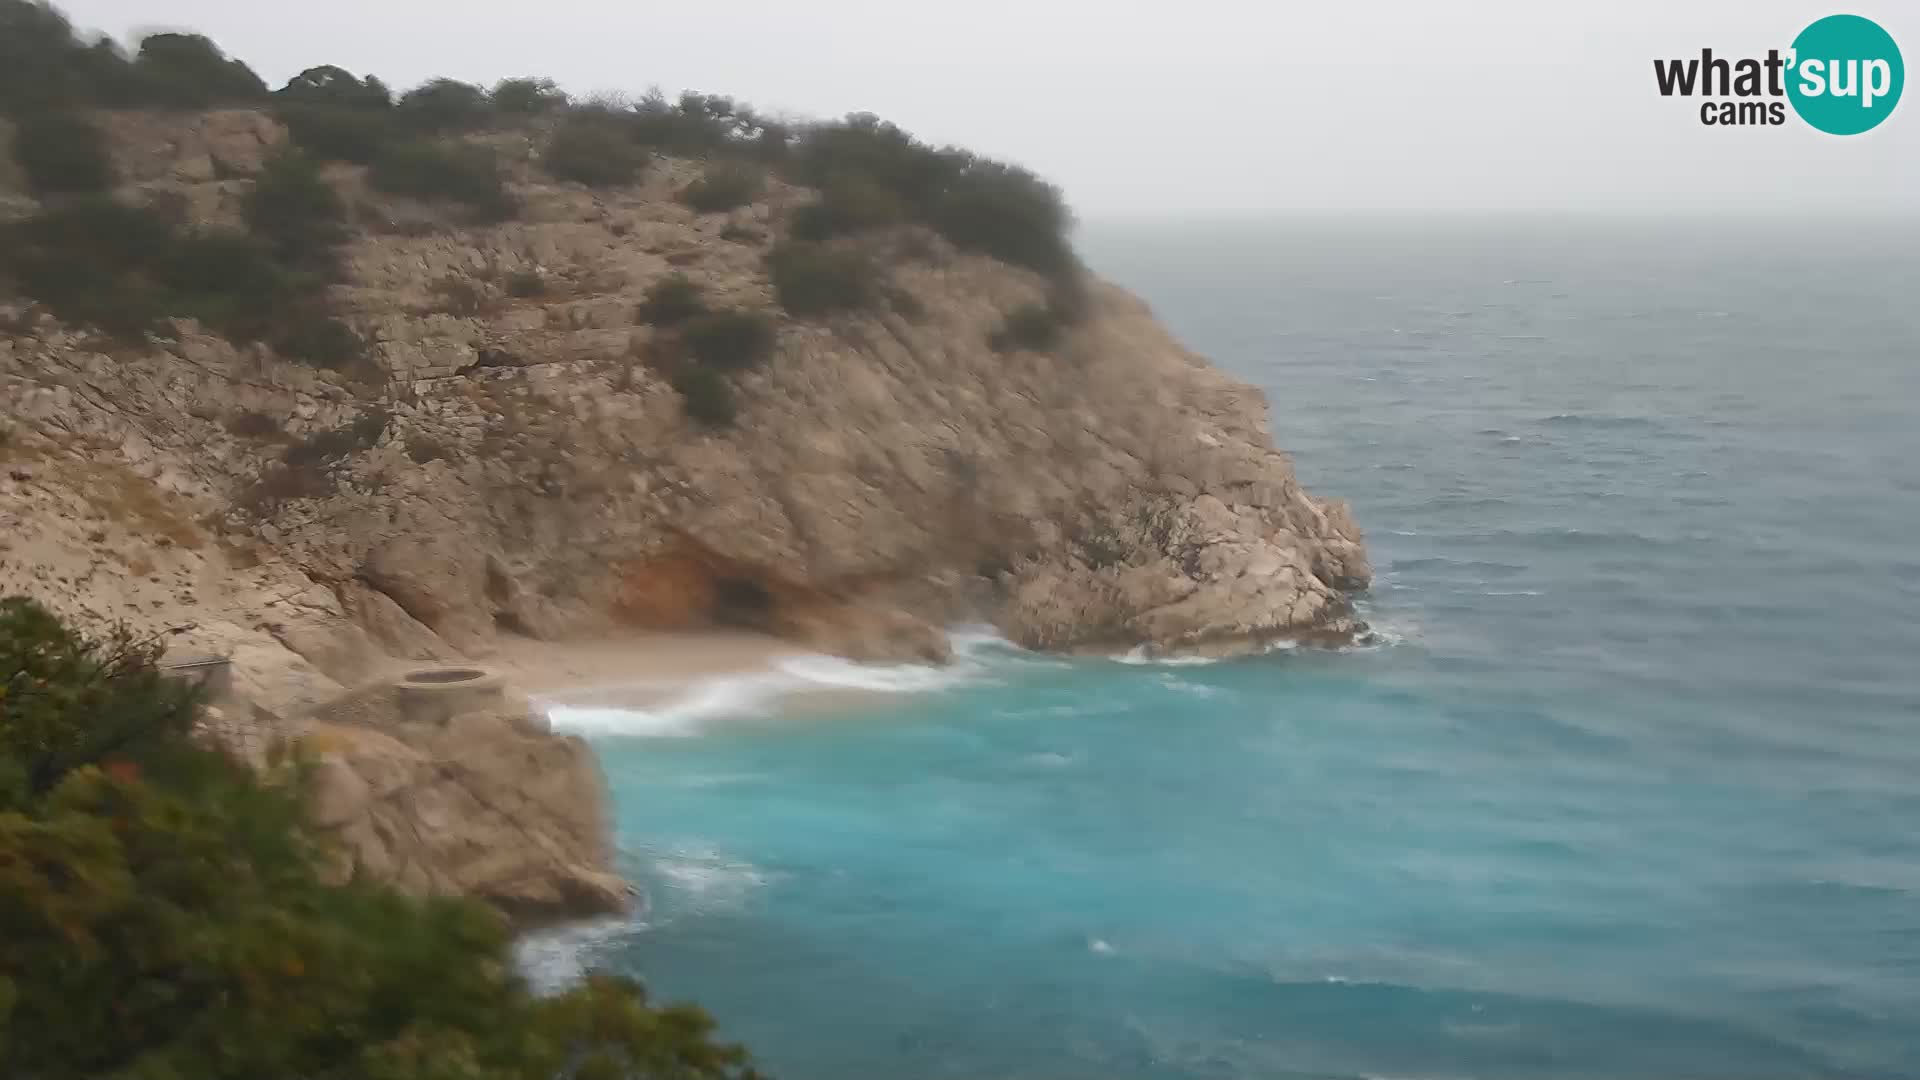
pixel 524 469
pixel 519 464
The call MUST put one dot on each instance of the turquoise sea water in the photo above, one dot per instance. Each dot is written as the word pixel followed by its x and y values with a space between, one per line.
pixel 1632 789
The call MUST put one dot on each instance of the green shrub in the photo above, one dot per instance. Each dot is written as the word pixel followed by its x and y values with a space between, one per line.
pixel 66 702
pixel 43 65
pixel 723 187
pixel 695 124
pixel 123 268
pixel 593 152
pixel 89 262
pixel 810 279
pixel 527 96
pixel 295 210
pixel 848 203
pixel 339 133
pixel 226 279
pixel 459 172
pixel 871 173
pixel 62 153
pixel 168 915
pixel 456 295
pixel 729 340
pixel 1008 213
pixel 707 396
pixel 336 87
pixel 443 105
pixel 1030 326
pixel 524 284
pixel 188 71
pixel 671 300
pixel 317 338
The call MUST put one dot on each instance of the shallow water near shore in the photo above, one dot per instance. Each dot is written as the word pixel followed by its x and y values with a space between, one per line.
pixel 1628 789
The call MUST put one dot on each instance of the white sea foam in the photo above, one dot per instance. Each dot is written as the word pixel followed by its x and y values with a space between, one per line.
pixel 551 960
pixel 1140 655
pixel 834 673
pixel 680 716
pixel 706 877
pixel 1175 683
pixel 687 709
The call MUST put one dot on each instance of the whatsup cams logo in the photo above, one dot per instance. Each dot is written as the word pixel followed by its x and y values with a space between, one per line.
pixel 1843 75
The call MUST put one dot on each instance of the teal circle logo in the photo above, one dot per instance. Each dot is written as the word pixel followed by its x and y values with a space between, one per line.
pixel 1846 75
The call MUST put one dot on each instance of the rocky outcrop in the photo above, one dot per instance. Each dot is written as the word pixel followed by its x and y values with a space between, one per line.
pixel 482 803
pixel 526 455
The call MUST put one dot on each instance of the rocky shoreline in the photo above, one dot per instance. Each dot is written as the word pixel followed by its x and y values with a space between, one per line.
pixel 525 469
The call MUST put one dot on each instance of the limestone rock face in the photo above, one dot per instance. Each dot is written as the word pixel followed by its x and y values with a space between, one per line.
pixel 527 469
pixel 483 806
pixel 889 471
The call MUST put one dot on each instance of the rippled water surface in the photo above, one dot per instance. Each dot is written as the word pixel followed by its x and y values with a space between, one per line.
pixel 1633 790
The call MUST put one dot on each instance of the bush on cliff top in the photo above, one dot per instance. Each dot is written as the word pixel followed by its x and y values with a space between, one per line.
pixel 868 170
pixel 338 87
pixel 528 96
pixel 167 915
pixel 45 65
pixel 188 71
pixel 443 105
pixel 338 133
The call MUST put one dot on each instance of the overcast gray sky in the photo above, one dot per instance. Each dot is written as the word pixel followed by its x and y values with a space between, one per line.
pixel 1143 108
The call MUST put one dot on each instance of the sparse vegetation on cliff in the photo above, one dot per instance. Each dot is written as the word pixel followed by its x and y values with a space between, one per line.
pixel 729 340
pixel 122 268
pixel 453 171
pixel 723 187
pixel 592 150
pixel 672 300
pixel 868 175
pixel 707 395
pixel 296 211
pixel 814 279
pixel 1030 326
pixel 62 153
pixel 168 914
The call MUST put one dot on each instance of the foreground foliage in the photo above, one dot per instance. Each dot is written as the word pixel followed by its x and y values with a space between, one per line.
pixel 163 916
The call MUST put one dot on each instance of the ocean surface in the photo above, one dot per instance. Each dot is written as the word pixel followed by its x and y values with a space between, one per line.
pixel 1629 789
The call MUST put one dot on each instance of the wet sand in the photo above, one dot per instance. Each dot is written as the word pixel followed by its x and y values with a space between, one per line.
pixel 643 671
pixel 667 660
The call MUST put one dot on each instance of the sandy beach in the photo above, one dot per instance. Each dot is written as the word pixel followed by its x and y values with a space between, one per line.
pixel 663 661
